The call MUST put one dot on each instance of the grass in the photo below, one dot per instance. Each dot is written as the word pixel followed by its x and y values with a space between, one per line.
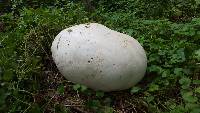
pixel 31 83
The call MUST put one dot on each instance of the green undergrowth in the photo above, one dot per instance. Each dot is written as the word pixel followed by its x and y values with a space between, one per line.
pixel 30 82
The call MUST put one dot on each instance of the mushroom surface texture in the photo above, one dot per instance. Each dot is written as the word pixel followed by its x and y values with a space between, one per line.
pixel 98 57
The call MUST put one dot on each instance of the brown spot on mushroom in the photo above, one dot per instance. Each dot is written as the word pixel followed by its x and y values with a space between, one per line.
pixel 87 26
pixel 58 42
pixel 69 30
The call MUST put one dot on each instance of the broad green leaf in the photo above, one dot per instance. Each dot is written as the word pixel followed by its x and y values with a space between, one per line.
pixel 196 81
pixel 83 88
pixel 197 90
pixel 165 73
pixel 135 89
pixel 178 57
pixel 197 54
pixel 196 110
pixel 178 71
pixel 93 104
pixel 178 109
pixel 191 106
pixel 185 82
pixel 197 2
pixel 76 87
pixel 99 94
pixel 188 97
pixel 129 32
pixel 155 68
pixel 153 87
pixel 149 99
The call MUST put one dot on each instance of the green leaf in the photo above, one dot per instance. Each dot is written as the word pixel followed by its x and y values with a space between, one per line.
pixel 191 106
pixel 178 109
pixel 61 89
pixel 181 53
pixel 197 55
pixel 135 89
pixel 155 68
pixel 185 82
pixel 149 98
pixel 76 87
pixel 196 110
pixel 178 71
pixel 83 88
pixel 165 73
pixel 79 87
pixel 153 87
pixel 197 52
pixel 197 2
pixel 8 75
pixel 197 90
pixel 129 32
pixel 99 94
pixel 196 81
pixel 93 104
pixel 178 57
pixel 108 109
pixel 188 97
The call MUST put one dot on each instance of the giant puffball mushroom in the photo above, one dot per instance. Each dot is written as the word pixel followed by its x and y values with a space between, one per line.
pixel 98 57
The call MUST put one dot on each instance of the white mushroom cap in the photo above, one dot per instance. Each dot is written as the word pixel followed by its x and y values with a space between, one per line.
pixel 98 57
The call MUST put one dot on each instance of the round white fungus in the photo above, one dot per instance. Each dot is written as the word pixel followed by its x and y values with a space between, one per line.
pixel 98 57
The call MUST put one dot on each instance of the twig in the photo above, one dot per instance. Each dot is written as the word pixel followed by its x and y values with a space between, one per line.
pixel 27 109
pixel 21 101
pixel 73 105
pixel 49 102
